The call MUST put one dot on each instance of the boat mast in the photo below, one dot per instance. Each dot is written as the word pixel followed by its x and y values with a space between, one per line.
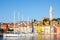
pixel 14 22
pixel 22 23
pixel 28 25
pixel 18 22
pixel 28 21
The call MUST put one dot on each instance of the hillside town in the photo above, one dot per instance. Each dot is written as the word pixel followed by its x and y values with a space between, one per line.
pixel 29 19
pixel 45 25
pixel 35 26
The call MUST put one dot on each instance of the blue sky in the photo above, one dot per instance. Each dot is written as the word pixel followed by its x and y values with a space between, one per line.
pixel 34 9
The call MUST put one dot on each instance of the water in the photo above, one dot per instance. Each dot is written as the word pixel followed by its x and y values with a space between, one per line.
pixel 36 37
pixel 1 38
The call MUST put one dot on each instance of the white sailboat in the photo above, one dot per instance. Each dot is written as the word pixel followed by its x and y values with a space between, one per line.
pixel 13 34
pixel 17 34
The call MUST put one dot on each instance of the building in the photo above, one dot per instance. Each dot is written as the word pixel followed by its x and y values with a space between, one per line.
pixel 4 26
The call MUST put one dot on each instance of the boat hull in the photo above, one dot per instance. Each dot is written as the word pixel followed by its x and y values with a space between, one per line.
pixel 18 35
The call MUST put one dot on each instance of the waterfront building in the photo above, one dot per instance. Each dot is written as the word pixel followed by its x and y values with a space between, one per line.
pixel 4 27
pixel 58 29
pixel 39 28
pixel 55 25
pixel 35 26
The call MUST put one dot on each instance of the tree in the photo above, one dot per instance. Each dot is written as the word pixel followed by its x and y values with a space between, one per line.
pixel 55 19
pixel 46 21
pixel 35 20
pixel 58 19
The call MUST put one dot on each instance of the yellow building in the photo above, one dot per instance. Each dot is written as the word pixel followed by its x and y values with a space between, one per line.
pixel 39 28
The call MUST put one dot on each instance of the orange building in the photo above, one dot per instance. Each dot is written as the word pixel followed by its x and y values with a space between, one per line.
pixel 4 27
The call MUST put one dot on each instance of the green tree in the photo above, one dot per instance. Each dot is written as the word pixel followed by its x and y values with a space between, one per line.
pixel 45 20
pixel 56 19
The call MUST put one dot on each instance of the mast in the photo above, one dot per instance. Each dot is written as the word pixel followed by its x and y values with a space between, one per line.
pixel 14 22
pixel 18 21
pixel 18 17
pixel 28 21
pixel 28 25
pixel 32 26
pixel 22 17
pixel 22 23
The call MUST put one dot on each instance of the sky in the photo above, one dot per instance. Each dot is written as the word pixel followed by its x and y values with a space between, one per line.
pixel 32 9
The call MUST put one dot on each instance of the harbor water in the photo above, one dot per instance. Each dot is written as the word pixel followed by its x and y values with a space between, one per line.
pixel 35 37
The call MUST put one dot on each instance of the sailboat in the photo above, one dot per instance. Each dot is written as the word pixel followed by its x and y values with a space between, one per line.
pixel 13 34
pixel 17 34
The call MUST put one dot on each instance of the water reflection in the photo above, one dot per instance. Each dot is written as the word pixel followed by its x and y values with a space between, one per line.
pixel 55 36
pixel 35 37
pixel 39 37
pixel 1 38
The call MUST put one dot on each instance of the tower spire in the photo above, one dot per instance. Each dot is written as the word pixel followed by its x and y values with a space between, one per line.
pixel 51 16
